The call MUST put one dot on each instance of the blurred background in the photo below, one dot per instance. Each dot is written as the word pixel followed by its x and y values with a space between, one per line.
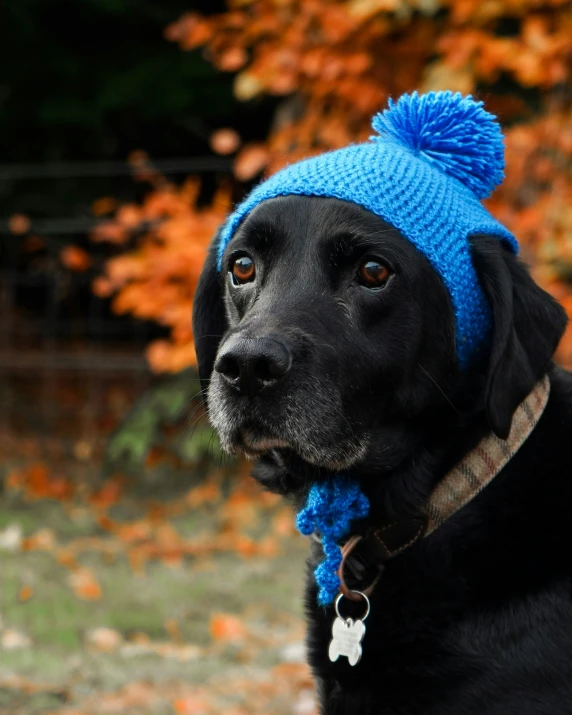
pixel 142 571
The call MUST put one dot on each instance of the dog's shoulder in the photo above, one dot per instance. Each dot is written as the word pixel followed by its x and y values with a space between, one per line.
pixel 516 565
pixel 488 593
pixel 517 533
pixel 538 478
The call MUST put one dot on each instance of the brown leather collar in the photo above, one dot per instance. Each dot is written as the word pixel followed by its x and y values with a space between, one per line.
pixel 469 477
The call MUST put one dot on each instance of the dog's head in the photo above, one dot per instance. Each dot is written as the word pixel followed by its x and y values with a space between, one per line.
pixel 328 336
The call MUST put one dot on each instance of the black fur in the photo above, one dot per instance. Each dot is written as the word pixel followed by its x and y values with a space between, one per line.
pixel 476 618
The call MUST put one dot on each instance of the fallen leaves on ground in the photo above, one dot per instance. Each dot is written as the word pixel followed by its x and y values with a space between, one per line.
pixel 152 538
pixel 109 640
pixel 227 627
pixel 11 639
pixel 104 639
pixel 288 685
pixel 85 584
pixel 262 649
pixel 26 593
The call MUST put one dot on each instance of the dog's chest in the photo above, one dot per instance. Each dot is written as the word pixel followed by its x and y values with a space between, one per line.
pixel 403 656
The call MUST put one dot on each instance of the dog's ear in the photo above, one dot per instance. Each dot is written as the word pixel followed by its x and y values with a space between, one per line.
pixel 209 319
pixel 528 325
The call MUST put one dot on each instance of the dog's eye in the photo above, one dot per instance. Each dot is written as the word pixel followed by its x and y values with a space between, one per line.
pixel 243 270
pixel 373 274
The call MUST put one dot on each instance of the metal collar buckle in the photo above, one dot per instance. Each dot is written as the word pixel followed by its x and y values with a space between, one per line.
pixel 347 550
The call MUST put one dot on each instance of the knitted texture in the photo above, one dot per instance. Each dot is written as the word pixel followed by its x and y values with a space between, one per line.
pixel 330 509
pixel 435 156
pixel 456 134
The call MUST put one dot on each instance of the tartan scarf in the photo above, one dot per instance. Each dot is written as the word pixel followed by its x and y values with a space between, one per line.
pixel 481 465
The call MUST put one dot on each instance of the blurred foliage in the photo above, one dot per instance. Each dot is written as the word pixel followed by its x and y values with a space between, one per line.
pixel 147 426
pixel 156 280
pixel 334 64
pixel 95 78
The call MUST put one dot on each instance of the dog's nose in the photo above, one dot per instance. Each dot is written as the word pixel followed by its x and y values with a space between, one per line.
pixel 250 365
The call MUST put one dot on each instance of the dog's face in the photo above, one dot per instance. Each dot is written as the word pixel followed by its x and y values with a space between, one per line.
pixel 328 337
pixel 337 325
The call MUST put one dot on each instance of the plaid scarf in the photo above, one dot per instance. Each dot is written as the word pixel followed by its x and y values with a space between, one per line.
pixel 485 461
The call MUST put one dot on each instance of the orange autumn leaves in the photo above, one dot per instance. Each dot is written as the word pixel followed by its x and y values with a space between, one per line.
pixel 332 64
pixel 339 61
pixel 156 280
pixel 535 201
pixel 234 517
pixel 286 688
pixel 227 627
pixel 283 688
pixel 37 482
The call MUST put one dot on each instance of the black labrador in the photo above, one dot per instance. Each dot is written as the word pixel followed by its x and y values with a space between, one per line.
pixel 327 344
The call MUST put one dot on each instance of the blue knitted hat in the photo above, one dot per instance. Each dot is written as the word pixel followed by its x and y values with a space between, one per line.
pixel 434 157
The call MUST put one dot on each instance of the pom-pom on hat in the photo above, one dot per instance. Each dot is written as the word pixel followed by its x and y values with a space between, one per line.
pixel 434 157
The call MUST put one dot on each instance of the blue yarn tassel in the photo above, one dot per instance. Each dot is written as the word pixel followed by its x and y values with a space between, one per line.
pixel 330 509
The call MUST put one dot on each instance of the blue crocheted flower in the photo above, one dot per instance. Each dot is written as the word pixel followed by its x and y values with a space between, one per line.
pixel 330 509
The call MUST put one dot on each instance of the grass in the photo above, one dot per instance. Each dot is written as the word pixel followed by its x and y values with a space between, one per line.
pixel 58 671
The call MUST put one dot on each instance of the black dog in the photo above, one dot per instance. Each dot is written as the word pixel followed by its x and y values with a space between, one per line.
pixel 327 344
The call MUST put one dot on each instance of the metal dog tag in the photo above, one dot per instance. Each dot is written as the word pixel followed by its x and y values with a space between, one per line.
pixel 347 638
pixel 347 635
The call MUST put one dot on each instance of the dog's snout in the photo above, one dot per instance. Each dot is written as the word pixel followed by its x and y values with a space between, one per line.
pixel 252 364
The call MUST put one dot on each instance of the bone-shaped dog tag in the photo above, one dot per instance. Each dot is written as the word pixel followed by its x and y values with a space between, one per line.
pixel 347 637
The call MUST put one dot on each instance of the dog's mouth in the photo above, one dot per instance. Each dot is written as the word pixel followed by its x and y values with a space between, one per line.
pixel 252 445
pixel 312 426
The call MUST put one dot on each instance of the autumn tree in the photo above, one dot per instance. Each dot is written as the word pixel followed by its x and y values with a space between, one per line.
pixel 332 64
